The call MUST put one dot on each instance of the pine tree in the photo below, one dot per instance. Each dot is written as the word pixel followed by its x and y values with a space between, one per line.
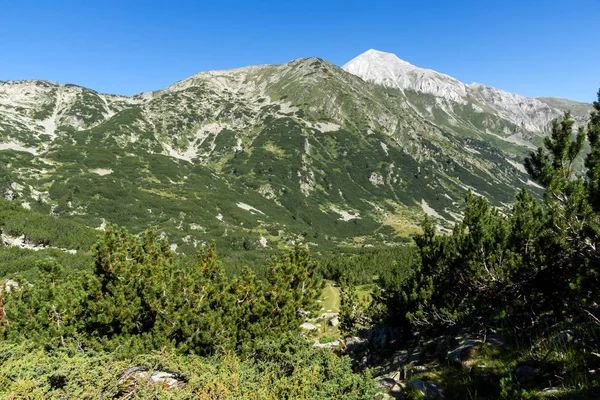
pixel 129 271
pixel 291 290
pixel 51 312
pixel 195 308
pixel 528 231
pixel 553 169
pixel 543 256
pixel 571 243
pixel 351 310
pixel 592 161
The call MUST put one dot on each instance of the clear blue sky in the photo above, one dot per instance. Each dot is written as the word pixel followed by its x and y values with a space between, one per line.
pixel 531 47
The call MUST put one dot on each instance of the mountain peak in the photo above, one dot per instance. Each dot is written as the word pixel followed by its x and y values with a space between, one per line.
pixel 376 64
pixel 373 54
pixel 387 69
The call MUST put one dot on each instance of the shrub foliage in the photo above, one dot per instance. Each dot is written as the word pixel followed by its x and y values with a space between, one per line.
pixel 543 256
pixel 138 297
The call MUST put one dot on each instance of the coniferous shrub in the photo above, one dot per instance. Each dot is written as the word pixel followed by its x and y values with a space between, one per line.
pixel 541 258
pixel 138 297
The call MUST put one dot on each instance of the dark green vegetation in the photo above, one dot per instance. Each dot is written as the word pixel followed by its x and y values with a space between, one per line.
pixel 138 294
pixel 48 236
pixel 139 306
pixel 532 274
pixel 43 229
pixel 280 369
pixel 366 265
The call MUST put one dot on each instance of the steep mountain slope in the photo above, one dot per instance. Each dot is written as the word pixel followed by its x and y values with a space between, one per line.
pixel 32 113
pixel 577 108
pixel 262 155
pixel 482 111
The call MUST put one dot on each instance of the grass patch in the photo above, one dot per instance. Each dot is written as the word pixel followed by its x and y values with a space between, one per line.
pixel 330 298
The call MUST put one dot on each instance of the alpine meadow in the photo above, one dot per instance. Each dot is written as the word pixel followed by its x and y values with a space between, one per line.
pixel 299 231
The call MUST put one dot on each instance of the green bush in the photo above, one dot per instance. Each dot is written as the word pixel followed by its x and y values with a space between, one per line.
pixel 288 368
pixel 138 297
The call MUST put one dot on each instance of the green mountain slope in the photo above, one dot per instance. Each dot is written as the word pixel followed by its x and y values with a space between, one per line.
pixel 255 157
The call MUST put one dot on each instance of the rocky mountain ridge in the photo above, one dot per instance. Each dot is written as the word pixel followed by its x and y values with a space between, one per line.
pixel 267 155
pixel 529 114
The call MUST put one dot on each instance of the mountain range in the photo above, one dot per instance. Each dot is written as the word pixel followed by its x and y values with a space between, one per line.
pixel 268 155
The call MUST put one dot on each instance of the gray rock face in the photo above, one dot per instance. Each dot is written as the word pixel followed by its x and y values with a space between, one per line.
pixel 581 111
pixel 528 114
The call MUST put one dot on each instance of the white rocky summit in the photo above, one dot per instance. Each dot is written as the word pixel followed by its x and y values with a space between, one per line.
pixel 388 70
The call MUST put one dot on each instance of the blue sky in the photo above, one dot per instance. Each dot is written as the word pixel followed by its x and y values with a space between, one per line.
pixel 531 47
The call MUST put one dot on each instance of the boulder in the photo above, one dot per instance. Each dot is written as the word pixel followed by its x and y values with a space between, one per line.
pixel 386 383
pixel 355 344
pixel 10 195
pixel 330 345
pixel 8 285
pixel 397 388
pixel 329 315
pixel 430 390
pixel 166 380
pixel 391 364
pixel 529 372
pixel 397 375
pixel 137 376
pixel 390 396
pixel 462 353
pixel 335 321
pixel 307 326
pixel 400 357
pixel 415 355
pixel 391 384
pixel 552 392
pixel 495 339
pixel 563 337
